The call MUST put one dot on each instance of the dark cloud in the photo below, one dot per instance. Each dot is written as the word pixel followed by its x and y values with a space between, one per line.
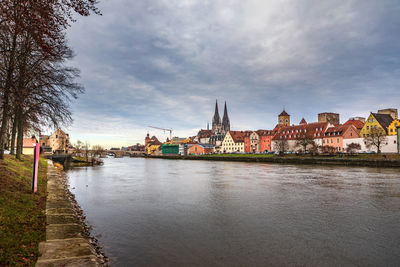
pixel 165 62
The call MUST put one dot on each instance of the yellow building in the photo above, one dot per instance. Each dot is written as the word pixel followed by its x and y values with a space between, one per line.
pixel 376 123
pixel 233 142
pixel 392 128
pixel 154 150
pixel 284 118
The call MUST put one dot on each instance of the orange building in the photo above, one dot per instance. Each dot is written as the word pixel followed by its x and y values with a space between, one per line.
pixel 334 136
pixel 200 149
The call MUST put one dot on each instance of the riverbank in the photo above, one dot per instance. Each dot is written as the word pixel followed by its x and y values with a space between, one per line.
pixel 22 214
pixel 390 161
pixel 68 240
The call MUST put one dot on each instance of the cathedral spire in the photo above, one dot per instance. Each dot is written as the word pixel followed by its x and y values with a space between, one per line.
pixel 226 125
pixel 216 118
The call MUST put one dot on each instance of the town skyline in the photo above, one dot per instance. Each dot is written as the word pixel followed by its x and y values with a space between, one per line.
pixel 165 63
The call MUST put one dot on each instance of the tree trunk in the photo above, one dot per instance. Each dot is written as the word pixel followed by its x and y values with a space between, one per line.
pixel 14 133
pixel 20 139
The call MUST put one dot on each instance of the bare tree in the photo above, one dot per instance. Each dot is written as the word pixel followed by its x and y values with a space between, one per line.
pixel 97 150
pixel 352 148
pixel 86 150
pixel 304 141
pixel 328 149
pixel 35 86
pixel 281 146
pixel 376 138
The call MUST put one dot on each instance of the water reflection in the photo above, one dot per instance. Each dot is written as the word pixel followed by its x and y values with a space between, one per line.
pixel 152 212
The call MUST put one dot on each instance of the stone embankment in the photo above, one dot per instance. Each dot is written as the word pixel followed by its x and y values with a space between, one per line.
pixel 68 242
pixel 378 163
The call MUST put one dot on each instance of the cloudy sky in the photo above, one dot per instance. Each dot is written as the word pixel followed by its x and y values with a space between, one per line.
pixel 165 62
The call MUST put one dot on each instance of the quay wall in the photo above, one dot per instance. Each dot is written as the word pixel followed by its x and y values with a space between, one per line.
pixel 380 163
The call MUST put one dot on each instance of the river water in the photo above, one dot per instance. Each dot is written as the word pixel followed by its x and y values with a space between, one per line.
pixel 155 212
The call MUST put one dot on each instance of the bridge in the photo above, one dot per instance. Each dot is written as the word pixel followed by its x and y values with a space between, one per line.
pixel 123 153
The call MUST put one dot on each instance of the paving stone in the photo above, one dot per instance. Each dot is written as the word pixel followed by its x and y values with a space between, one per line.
pixel 70 262
pixel 55 211
pixel 61 231
pixel 64 244
pixel 65 248
pixel 58 204
pixel 62 219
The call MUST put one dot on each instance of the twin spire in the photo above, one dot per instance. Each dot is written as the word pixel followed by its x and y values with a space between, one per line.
pixel 225 125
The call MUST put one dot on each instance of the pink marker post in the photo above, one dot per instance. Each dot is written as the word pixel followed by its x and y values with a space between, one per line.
pixel 36 150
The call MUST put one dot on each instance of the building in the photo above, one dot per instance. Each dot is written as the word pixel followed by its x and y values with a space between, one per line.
pixel 358 119
pixel 265 139
pixel 359 124
pixel 398 139
pixel 251 142
pixel 152 145
pixel 200 149
pixel 333 136
pixel 330 117
pixel 389 146
pixel 376 123
pixel 203 136
pixel 28 146
pixel 233 142
pixel 57 143
pixel 314 130
pixel 390 111
pixel 170 149
pixel 284 118
pixel 219 128
pixel 392 128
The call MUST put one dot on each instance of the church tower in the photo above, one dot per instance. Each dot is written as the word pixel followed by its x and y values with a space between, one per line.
pixel 284 118
pixel 216 122
pixel 226 125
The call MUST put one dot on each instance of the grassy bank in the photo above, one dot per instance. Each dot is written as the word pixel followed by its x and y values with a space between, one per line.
pixel 22 214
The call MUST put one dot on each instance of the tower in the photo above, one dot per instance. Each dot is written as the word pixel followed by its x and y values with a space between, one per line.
pixel 284 118
pixel 226 125
pixel 216 122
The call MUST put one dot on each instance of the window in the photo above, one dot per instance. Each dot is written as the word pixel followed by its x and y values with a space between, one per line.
pixel 337 140
pixel 367 127
pixel 56 135
pixel 351 134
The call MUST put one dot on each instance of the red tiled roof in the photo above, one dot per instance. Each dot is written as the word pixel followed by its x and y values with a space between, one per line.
pixel 238 136
pixel 357 123
pixel 314 129
pixel 29 142
pixel 204 133
pixel 284 113
pixel 303 121
pixel 337 130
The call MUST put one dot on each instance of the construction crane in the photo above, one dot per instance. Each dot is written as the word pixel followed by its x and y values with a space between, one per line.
pixel 163 129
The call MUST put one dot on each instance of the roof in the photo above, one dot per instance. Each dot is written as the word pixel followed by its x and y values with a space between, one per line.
pixel 384 119
pixel 206 145
pixel 238 136
pixel 204 133
pixel 265 132
pixel 283 113
pixel 357 123
pixel 337 130
pixel 303 121
pixel 314 129
pixel 154 141
pixel 29 142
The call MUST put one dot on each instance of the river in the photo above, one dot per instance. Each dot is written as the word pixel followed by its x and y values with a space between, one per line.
pixel 156 212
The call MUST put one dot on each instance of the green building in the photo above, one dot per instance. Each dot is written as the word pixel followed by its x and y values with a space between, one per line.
pixel 170 149
pixel 398 139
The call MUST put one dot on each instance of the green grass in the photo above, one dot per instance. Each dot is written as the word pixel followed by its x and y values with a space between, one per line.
pixel 22 213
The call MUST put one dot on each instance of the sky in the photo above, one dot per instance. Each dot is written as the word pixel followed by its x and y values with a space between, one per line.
pixel 165 62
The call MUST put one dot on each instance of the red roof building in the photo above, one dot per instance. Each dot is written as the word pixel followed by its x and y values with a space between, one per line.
pixel 357 123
